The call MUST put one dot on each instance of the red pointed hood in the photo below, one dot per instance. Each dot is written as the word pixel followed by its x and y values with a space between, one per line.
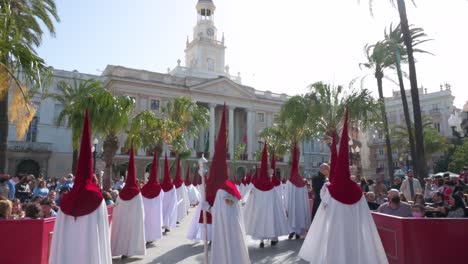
pixel 295 178
pixel 152 188
pixel 342 188
pixel 187 177
pixel 248 178
pixel 178 181
pixel 333 158
pixel 85 196
pixel 274 179
pixel 263 182
pixel 244 180
pixel 196 178
pixel 167 184
pixel 130 189
pixel 219 175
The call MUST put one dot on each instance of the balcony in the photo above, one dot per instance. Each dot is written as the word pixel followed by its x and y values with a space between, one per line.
pixel 23 146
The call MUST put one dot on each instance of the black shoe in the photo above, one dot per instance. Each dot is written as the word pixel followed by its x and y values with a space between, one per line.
pixel 177 222
pixel 124 256
pixel 291 236
pixel 298 236
pixel 209 243
pixel 274 242
pixel 167 230
pixel 262 245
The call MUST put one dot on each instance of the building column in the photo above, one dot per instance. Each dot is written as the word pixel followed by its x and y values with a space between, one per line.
pixel 212 129
pixel 231 131
pixel 250 138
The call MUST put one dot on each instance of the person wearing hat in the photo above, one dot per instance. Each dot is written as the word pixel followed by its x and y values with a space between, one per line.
pixel 152 201
pixel 410 186
pixel 265 217
pixel 169 199
pixel 343 230
pixel 297 200
pixel 128 217
pixel 81 230
pixel 183 202
pixel 223 200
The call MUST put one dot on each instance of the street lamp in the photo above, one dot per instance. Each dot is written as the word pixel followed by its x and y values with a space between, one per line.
pixel 95 142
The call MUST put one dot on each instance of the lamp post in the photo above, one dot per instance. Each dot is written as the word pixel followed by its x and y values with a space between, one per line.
pixel 95 142
pixel 201 165
pixel 455 122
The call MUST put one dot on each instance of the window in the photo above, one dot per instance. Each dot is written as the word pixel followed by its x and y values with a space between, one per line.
pixel 260 117
pixel 381 151
pixel 437 127
pixel 57 110
pixel 154 105
pixel 275 118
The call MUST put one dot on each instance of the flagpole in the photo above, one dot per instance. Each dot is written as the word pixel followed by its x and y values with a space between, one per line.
pixel 201 171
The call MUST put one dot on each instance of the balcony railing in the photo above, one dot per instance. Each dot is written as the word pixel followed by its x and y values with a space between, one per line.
pixel 23 146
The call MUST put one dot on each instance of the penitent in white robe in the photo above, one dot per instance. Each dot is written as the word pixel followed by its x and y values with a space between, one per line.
pixel 298 207
pixel 229 244
pixel 193 195
pixel 153 217
pixel 264 215
pixel 342 233
pixel 85 239
pixel 170 208
pixel 182 202
pixel 196 230
pixel 128 227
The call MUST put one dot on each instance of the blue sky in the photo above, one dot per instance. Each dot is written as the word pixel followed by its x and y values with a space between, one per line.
pixel 281 46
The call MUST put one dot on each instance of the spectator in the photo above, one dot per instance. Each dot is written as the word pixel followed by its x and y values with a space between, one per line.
pixel 63 191
pixel 380 193
pixel 396 183
pixel 52 195
pixel 419 200
pixel 23 191
pixel 40 190
pixel 437 209
pixel 4 188
pixel 370 197
pixel 33 211
pixel 448 187
pixel 439 182
pixel 69 182
pixel 394 206
pixel 114 194
pixel 371 185
pixel 17 210
pixel 464 175
pixel 403 198
pixel 108 198
pixel 12 183
pixel 410 186
pixel 429 189
pixel 5 209
pixel 456 206
pixel 418 211
pixel 47 208
pixel 119 184
pixel 61 184
pixel 362 183
pixel 459 185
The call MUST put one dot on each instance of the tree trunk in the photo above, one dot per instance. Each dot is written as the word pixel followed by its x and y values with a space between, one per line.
pixel 3 120
pixel 420 160
pixel 405 108
pixel 379 77
pixel 74 160
pixel 110 146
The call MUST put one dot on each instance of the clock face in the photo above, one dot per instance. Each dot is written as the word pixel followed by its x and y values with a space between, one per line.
pixel 210 32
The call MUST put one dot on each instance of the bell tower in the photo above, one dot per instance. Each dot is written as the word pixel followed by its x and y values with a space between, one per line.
pixel 205 53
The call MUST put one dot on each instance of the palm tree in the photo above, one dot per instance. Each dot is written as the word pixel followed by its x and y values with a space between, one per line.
pixel 276 140
pixel 395 47
pixel 72 98
pixel 21 29
pixel 421 166
pixel 377 61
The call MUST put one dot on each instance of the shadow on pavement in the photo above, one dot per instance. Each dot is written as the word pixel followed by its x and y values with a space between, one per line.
pixel 180 253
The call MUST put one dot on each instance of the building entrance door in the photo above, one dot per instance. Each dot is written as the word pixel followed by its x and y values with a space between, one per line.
pixel 28 167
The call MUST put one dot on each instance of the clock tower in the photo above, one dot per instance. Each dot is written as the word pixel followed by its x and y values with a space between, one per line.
pixel 205 53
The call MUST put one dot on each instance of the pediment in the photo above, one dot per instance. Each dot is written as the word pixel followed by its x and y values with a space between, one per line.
pixel 223 87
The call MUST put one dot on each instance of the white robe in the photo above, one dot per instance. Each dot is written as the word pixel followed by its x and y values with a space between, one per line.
pixel 264 215
pixel 153 217
pixel 85 239
pixel 229 244
pixel 193 195
pixel 197 230
pixel 182 202
pixel 342 233
pixel 128 227
pixel 298 207
pixel 170 208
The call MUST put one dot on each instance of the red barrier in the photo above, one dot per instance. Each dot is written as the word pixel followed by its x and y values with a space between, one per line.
pixel 28 241
pixel 423 240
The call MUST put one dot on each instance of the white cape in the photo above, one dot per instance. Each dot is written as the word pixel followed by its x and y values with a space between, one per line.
pixel 193 195
pixel 197 230
pixel 182 202
pixel 298 207
pixel 342 233
pixel 153 217
pixel 229 244
pixel 170 208
pixel 85 239
pixel 264 215
pixel 128 227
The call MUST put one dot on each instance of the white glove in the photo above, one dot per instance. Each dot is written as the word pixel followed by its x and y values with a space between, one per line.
pixel 205 206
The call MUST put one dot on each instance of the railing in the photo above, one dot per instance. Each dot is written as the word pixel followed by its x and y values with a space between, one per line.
pixel 23 146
